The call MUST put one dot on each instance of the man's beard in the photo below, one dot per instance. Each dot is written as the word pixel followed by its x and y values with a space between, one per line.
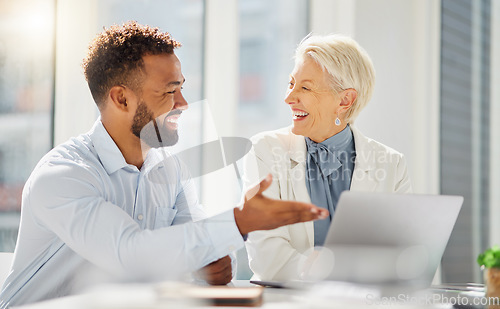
pixel 152 131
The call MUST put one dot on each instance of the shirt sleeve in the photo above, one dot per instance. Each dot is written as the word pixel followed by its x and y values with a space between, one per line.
pixel 187 204
pixel 66 199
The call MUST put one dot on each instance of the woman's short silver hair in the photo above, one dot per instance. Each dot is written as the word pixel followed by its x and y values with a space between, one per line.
pixel 347 63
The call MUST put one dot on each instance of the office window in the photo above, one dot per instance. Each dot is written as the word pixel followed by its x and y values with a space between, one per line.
pixel 269 33
pixel 26 95
pixel 465 126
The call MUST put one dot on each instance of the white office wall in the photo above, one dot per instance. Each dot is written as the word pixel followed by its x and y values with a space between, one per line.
pixel 333 16
pixel 75 111
pixel 402 38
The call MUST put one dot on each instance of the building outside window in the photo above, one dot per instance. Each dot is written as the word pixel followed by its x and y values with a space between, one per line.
pixel 26 100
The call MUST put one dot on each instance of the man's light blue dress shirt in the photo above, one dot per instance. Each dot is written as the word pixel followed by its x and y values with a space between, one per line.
pixel 330 165
pixel 88 216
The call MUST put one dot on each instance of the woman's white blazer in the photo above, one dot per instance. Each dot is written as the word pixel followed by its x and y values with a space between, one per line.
pixel 277 254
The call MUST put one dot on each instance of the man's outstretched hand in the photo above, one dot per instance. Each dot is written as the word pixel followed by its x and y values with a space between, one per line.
pixel 262 213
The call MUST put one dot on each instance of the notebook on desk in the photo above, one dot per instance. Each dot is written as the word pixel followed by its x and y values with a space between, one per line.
pixel 383 238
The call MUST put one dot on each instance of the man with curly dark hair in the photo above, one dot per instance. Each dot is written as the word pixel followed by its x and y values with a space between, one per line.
pixel 115 57
pixel 91 211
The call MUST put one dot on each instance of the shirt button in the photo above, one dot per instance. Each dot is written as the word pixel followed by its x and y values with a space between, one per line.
pixel 140 217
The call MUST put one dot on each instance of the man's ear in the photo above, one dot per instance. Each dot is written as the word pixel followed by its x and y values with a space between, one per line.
pixel 118 97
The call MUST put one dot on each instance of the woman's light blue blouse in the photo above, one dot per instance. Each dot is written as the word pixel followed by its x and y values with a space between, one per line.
pixel 330 165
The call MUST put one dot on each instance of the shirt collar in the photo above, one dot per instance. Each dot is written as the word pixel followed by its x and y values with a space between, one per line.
pixel 108 152
pixel 157 158
pixel 337 142
pixel 363 145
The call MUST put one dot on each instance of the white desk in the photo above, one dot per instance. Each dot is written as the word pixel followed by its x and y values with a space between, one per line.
pixel 321 296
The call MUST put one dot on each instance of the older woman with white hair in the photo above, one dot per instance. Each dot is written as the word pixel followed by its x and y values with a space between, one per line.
pixel 321 154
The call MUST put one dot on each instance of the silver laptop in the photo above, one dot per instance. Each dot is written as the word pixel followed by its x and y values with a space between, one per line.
pixel 378 238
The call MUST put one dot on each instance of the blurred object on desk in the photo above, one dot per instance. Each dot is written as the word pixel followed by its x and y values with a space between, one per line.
pixel 212 295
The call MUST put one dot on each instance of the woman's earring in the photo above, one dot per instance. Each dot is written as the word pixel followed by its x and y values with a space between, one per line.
pixel 337 121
